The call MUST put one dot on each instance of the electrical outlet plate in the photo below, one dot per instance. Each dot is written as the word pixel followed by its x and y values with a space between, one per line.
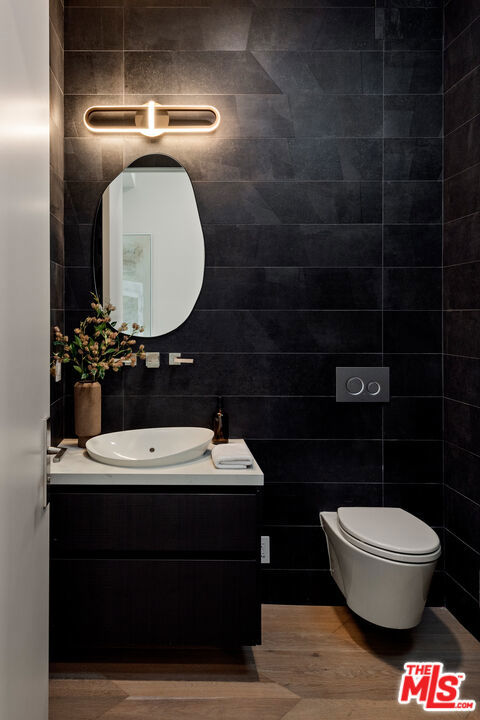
pixel 265 549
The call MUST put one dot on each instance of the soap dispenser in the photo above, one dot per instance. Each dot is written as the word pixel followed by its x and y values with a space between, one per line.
pixel 220 425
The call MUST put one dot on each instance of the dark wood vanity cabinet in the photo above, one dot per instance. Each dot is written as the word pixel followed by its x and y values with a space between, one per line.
pixel 134 569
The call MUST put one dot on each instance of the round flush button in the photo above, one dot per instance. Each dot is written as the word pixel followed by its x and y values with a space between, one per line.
pixel 355 385
pixel 373 388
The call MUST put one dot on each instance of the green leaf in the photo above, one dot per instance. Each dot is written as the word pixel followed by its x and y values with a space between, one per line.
pixel 77 368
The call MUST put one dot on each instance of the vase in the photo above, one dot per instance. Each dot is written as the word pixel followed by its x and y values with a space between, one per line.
pixel 88 410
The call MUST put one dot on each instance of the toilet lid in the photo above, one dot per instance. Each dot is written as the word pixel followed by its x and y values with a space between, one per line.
pixel 391 529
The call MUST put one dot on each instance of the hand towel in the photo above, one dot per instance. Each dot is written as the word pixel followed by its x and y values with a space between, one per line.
pixel 232 457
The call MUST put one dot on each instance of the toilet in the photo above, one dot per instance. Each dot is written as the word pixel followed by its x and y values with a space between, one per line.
pixel 382 559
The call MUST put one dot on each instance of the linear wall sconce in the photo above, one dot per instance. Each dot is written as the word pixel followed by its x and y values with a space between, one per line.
pixel 152 119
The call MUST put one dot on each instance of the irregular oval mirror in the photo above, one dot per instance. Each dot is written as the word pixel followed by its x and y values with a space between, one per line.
pixel 149 252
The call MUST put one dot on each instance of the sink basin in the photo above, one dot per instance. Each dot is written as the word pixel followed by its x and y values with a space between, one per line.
pixel 150 447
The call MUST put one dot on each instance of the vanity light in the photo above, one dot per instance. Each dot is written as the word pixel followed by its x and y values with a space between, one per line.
pixel 151 119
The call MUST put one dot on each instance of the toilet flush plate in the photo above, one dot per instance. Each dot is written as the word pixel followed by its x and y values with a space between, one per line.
pixel 363 384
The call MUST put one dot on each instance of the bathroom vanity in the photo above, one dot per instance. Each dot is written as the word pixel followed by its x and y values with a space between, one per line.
pixel 143 558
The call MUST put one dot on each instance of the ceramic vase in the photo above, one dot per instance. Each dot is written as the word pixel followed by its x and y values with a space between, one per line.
pixel 88 410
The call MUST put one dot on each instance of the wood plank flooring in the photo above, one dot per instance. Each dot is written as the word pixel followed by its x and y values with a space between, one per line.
pixel 316 663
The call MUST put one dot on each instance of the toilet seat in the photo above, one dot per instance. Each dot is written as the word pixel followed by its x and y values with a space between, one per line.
pixel 390 533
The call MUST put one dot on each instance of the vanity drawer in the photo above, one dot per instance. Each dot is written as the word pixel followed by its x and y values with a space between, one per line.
pixel 109 604
pixel 136 522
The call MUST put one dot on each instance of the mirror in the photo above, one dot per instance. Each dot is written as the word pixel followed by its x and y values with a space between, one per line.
pixel 149 252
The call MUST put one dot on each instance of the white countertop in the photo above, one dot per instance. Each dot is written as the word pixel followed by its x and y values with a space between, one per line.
pixel 76 467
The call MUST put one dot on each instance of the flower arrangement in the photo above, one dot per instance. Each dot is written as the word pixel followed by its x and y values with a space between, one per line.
pixel 97 345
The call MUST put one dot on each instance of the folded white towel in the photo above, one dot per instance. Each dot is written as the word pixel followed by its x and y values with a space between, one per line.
pixel 232 457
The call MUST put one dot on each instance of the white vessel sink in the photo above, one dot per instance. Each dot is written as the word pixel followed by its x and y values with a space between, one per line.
pixel 150 447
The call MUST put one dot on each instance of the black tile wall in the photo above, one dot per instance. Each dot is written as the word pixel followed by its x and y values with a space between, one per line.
pixel 461 305
pixel 57 242
pixel 321 203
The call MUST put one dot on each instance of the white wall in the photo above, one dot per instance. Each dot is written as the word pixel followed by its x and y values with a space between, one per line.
pixel 24 383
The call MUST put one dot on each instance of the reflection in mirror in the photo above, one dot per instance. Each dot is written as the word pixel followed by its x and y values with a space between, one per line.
pixel 149 249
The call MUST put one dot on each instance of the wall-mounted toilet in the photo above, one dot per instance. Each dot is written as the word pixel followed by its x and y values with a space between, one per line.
pixel 382 559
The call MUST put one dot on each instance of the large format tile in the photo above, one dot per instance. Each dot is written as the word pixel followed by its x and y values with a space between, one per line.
pixel 463 605
pixel 462 101
pixel 462 240
pixel 316 114
pixel 272 331
pixel 458 16
pixel 195 72
pixel 187 28
pixel 463 54
pixel 320 417
pixel 297 547
pixel 413 29
pixel 55 57
pixel 56 16
pixel 462 563
pixel 413 159
pixel 313 461
pixel 329 73
pixel 413 202
pixel 461 330
pixel 412 288
pixel 291 289
pixel 413 461
pixel 417 418
pixel 336 159
pixel 297 504
pixel 412 331
pixel 412 245
pixel 462 517
pixel 313 29
pixel 93 28
pixel 99 158
pixel 222 159
pixel 462 470
pixel 462 194
pixel 78 245
pixel 295 202
pixel 413 72
pixel 93 72
pixel 413 116
pixel 461 289
pixel 295 586
pixel 462 425
pixel 81 201
pixel 311 245
pixel 461 148
pixel 415 374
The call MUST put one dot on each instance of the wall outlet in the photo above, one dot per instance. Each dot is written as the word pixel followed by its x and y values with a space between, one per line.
pixel 265 549
pixel 58 371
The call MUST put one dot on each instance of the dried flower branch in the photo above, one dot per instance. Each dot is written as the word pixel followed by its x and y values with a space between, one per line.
pixel 97 345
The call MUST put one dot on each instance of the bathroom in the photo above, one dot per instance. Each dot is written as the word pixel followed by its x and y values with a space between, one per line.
pixel 327 155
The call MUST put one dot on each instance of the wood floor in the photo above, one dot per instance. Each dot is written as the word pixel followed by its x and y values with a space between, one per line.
pixel 316 663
